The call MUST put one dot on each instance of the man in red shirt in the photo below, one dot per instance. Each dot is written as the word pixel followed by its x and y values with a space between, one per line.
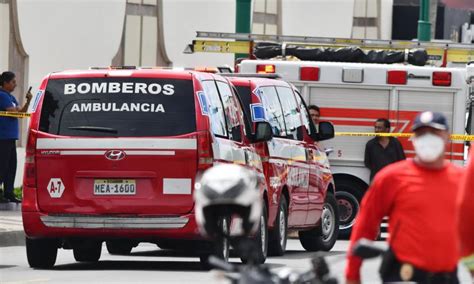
pixel 419 197
pixel 466 216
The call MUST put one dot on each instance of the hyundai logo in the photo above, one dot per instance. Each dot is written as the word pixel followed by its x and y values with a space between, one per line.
pixel 115 155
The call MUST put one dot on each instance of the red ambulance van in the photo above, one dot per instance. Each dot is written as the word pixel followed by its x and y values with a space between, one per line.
pixel 112 155
pixel 300 184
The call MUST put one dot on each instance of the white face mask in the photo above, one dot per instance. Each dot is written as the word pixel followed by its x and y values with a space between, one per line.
pixel 428 147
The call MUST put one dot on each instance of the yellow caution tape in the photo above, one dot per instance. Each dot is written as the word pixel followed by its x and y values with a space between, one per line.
pixel 15 114
pixel 459 137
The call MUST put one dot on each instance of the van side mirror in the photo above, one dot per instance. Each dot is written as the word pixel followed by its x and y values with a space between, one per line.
pixel 326 131
pixel 263 132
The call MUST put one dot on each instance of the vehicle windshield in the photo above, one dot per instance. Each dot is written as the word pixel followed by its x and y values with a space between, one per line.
pixel 122 107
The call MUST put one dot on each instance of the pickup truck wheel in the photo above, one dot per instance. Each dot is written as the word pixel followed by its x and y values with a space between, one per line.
pixel 324 236
pixel 261 239
pixel 119 247
pixel 279 234
pixel 41 253
pixel 88 252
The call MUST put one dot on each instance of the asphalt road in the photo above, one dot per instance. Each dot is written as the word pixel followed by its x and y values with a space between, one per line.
pixel 148 264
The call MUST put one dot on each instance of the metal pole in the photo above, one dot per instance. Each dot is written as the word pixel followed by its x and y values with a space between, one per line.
pixel 424 25
pixel 242 20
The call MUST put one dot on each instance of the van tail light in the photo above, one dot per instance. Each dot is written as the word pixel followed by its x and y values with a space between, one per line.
pixel 204 148
pixel 265 68
pixel 309 73
pixel 442 78
pixel 397 77
pixel 29 179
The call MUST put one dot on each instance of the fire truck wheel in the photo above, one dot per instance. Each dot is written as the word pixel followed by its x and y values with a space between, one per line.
pixel 324 236
pixel 349 195
pixel 261 239
pixel 41 253
pixel 119 247
pixel 279 234
pixel 88 251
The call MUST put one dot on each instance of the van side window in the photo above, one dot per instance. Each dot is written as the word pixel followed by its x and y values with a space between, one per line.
pixel 291 113
pixel 231 111
pixel 304 112
pixel 216 110
pixel 273 111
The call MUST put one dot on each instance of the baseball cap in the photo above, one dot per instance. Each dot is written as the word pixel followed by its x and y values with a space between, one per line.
pixel 434 120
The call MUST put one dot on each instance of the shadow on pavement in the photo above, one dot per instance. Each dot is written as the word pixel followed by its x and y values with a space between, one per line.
pixel 134 265
pixel 7 266
pixel 297 254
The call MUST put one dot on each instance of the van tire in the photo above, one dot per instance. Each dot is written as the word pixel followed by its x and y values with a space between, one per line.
pixel 260 239
pixel 41 253
pixel 279 235
pixel 119 247
pixel 349 194
pixel 88 252
pixel 323 237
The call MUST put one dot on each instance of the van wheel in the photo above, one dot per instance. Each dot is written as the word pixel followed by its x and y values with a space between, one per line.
pixel 41 253
pixel 349 195
pixel 260 239
pixel 279 235
pixel 88 252
pixel 119 247
pixel 220 249
pixel 324 236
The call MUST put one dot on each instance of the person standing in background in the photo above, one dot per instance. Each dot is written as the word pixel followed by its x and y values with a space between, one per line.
pixel 9 133
pixel 382 151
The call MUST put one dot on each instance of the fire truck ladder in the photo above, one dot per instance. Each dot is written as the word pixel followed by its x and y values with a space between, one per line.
pixel 438 52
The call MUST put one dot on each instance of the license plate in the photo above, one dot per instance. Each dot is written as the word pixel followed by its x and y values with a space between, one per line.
pixel 115 187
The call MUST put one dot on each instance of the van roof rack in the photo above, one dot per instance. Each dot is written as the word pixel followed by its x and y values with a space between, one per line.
pixel 129 67
pixel 253 75
pixel 438 52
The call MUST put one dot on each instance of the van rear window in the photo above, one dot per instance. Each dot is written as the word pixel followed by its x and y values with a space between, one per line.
pixel 125 107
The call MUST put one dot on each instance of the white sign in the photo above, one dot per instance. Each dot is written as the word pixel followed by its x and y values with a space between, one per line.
pixel 117 107
pixel 119 88
pixel 55 187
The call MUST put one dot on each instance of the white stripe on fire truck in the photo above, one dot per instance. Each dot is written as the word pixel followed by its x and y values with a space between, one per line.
pixel 117 143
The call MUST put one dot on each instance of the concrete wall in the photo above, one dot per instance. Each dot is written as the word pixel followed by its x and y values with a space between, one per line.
pixel 330 18
pixel 4 35
pixel 68 34
pixel 182 18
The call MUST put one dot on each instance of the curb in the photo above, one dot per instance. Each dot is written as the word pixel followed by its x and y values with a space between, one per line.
pixel 10 206
pixel 12 238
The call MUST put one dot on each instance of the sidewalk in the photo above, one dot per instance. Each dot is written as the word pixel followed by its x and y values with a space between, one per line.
pixel 11 228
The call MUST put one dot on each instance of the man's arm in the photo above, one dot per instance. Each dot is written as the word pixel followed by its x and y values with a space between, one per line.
pixel 375 205
pixel 29 96
pixel 367 161
pixel 400 152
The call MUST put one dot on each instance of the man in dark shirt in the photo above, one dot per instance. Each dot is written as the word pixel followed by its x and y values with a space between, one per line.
pixel 381 151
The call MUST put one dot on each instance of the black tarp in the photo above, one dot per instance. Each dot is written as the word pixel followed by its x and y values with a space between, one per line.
pixel 267 50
